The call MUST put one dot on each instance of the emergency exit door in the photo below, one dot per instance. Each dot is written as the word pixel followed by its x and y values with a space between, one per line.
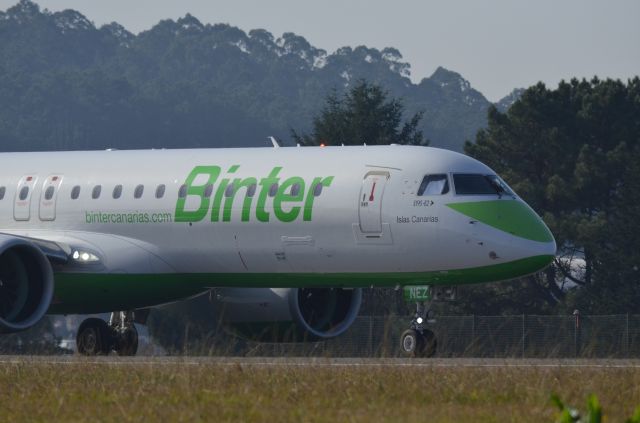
pixel 48 197
pixel 370 209
pixel 22 202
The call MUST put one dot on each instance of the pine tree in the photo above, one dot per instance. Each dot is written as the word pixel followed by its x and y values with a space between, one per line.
pixel 364 115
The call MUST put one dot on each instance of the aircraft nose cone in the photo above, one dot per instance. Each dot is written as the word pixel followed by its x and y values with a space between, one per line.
pixel 539 249
pixel 532 243
pixel 535 240
pixel 512 216
pixel 552 248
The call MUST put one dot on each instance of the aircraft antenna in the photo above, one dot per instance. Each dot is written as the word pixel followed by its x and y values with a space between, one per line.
pixel 274 141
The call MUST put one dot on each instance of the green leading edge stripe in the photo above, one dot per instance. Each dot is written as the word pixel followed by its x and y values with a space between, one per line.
pixel 512 216
pixel 96 293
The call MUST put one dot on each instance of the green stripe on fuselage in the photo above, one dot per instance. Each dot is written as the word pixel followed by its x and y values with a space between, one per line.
pixel 512 216
pixel 77 293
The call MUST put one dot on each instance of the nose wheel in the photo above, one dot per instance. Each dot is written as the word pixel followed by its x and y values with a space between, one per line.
pixel 417 344
pixel 418 341
pixel 97 337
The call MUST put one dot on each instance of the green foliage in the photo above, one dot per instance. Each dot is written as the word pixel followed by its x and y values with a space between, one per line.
pixel 635 418
pixel 65 84
pixel 567 414
pixel 572 153
pixel 594 412
pixel 522 296
pixel 363 116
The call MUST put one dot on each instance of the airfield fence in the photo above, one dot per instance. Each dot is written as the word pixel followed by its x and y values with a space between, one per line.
pixel 527 336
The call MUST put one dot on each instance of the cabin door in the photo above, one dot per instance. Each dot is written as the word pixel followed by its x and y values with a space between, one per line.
pixel 48 197
pixel 370 208
pixel 22 203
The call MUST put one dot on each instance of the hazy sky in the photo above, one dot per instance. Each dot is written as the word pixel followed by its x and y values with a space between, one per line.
pixel 496 44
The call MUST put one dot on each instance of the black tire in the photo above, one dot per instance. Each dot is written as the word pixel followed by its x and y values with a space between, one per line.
pixel 411 343
pixel 93 337
pixel 127 344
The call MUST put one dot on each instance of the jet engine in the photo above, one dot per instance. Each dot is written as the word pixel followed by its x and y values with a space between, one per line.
pixel 287 314
pixel 26 284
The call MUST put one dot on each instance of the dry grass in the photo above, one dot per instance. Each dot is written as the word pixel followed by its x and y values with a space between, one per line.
pixel 80 391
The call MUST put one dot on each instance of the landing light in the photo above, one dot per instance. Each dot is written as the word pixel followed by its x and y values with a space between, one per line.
pixel 84 257
pixel 419 320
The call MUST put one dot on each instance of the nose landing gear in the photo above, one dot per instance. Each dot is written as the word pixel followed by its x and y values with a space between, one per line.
pixel 418 341
pixel 97 337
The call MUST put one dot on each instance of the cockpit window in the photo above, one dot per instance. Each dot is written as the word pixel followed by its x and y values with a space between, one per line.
pixel 501 185
pixel 434 185
pixel 471 184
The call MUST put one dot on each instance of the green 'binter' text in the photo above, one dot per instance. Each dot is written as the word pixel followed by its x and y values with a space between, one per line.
pixel 209 195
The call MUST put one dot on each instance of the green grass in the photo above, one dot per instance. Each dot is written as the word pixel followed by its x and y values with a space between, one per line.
pixel 80 391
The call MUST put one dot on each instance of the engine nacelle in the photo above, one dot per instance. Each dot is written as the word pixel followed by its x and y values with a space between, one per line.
pixel 26 284
pixel 287 314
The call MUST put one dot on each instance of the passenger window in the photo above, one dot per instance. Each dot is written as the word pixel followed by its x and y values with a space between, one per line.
pixel 117 191
pixel 160 191
pixel 208 190
pixel 2 192
pixel 182 192
pixel 434 185
pixel 24 192
pixel 273 189
pixel 251 190
pixel 317 190
pixel 468 184
pixel 48 194
pixel 229 191
pixel 295 189
pixel 96 191
pixel 75 192
pixel 138 191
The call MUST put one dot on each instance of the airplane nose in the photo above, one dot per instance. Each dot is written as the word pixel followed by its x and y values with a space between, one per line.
pixel 538 238
pixel 511 216
pixel 542 249
pixel 551 247
pixel 532 240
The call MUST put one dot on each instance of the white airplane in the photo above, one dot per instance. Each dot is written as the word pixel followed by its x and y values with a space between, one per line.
pixel 275 234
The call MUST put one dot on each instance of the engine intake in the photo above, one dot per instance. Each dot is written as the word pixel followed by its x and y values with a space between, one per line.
pixel 288 314
pixel 325 312
pixel 26 284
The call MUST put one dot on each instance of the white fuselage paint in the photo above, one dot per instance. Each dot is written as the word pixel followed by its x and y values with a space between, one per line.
pixel 400 234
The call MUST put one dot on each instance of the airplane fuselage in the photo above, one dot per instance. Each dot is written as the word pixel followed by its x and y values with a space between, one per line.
pixel 145 227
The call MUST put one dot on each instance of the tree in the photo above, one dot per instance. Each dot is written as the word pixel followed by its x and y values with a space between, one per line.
pixel 362 115
pixel 572 154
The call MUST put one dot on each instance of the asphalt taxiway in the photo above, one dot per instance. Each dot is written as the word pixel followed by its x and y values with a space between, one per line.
pixel 323 362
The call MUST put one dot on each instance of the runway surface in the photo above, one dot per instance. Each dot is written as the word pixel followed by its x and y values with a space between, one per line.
pixel 114 360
